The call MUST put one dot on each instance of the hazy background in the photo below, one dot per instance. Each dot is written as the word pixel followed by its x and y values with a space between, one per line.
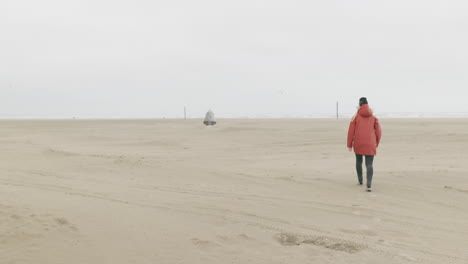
pixel 102 58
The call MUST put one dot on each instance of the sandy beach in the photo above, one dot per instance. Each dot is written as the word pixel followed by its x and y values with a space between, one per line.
pixel 244 191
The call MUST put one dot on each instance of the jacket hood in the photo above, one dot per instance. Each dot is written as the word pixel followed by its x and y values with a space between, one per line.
pixel 365 111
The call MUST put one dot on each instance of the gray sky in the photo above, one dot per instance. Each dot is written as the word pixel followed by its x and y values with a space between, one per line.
pixel 149 58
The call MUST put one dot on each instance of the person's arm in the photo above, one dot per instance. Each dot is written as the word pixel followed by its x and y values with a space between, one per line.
pixel 378 131
pixel 351 131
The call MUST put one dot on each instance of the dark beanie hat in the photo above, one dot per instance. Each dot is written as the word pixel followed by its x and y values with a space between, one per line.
pixel 362 101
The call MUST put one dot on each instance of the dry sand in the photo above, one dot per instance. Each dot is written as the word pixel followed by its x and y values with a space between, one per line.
pixel 246 191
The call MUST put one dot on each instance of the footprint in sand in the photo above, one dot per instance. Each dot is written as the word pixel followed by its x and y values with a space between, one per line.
pixel 27 228
pixel 61 221
pixel 456 189
pixel 235 239
pixel 204 244
pixel 287 239
pixel 64 222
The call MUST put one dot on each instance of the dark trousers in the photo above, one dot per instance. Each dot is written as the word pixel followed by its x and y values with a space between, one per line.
pixel 370 169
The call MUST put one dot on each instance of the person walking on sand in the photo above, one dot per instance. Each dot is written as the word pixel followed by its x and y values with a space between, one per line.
pixel 364 136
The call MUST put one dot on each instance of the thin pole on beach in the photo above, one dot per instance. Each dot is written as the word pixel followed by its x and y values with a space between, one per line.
pixel 185 113
pixel 337 109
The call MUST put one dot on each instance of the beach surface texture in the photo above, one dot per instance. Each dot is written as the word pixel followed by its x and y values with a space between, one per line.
pixel 244 191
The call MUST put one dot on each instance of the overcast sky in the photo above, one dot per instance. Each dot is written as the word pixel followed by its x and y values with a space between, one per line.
pixel 150 58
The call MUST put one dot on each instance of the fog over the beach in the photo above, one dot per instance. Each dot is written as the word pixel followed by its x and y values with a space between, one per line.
pixel 144 58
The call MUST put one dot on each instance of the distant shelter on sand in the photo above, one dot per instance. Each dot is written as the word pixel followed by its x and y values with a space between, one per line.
pixel 210 119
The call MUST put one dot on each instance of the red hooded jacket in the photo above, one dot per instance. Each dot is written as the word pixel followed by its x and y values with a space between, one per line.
pixel 364 132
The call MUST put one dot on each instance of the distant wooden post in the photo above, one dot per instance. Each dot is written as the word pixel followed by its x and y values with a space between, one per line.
pixel 337 110
pixel 185 113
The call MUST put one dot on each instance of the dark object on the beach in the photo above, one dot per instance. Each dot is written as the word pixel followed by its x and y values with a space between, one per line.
pixel 210 119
